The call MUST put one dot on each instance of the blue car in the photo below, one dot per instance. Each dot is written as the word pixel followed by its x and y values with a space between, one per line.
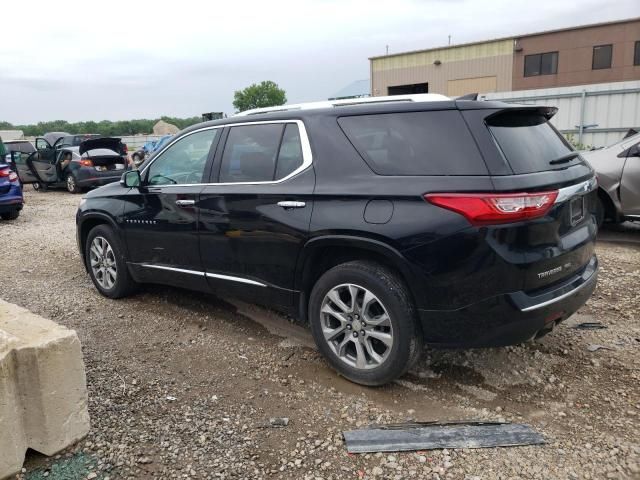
pixel 11 199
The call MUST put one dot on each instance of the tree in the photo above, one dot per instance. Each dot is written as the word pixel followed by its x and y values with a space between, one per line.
pixel 264 94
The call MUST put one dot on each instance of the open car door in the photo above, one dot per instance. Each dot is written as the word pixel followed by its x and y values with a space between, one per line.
pixel 40 166
pixel 630 182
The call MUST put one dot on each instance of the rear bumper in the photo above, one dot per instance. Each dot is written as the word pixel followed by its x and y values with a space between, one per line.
pixel 95 178
pixel 511 318
pixel 12 199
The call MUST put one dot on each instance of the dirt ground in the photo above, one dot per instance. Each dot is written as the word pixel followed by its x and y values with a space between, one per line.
pixel 182 385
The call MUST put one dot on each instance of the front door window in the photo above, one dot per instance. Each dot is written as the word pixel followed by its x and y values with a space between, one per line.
pixel 184 161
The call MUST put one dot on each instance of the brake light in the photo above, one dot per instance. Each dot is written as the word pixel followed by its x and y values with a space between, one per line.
pixel 492 208
pixel 10 174
pixel 86 162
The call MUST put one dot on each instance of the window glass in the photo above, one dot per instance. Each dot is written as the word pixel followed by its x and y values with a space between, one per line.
pixel 531 65
pixel 602 56
pixel 636 54
pixel 290 156
pixel 415 143
pixel 529 142
pixel 250 153
pixel 184 161
pixel 549 63
pixel 541 64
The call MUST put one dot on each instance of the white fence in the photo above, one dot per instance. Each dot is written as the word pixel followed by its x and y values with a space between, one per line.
pixel 595 115
pixel 134 142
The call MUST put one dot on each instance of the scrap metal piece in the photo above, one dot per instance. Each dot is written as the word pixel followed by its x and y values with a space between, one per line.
pixel 435 435
pixel 594 347
pixel 590 326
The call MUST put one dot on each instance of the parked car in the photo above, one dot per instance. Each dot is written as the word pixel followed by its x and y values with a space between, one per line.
pixel 618 170
pixel 140 155
pixel 15 149
pixel 384 223
pixel 94 162
pixel 11 199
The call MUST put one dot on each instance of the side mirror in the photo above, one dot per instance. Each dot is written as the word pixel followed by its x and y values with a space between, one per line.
pixel 634 151
pixel 42 144
pixel 131 179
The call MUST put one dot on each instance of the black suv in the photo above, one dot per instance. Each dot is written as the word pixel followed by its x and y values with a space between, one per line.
pixel 384 224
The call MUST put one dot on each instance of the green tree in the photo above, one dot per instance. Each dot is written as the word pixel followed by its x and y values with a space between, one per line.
pixel 264 94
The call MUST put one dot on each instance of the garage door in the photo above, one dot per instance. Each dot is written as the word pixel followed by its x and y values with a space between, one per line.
pixel 455 88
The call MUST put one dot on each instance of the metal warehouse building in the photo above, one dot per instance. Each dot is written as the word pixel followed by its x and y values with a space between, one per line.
pixel 600 53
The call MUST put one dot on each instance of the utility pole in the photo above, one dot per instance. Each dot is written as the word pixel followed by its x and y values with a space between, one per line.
pixel 387 49
pixel 449 39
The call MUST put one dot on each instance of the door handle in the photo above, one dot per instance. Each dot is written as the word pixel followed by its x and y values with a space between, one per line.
pixel 291 204
pixel 185 203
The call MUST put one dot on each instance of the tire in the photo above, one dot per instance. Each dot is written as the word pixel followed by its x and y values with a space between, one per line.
pixel 12 215
pixel 386 293
pixel 600 210
pixel 72 184
pixel 39 187
pixel 110 282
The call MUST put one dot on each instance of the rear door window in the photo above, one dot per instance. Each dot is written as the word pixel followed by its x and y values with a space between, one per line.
pixel 529 142
pixel 415 143
pixel 261 153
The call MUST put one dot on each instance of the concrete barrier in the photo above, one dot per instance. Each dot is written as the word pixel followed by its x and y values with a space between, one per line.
pixel 43 392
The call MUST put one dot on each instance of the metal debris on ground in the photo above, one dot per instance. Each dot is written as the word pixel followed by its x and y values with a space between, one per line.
pixel 590 326
pixel 437 435
pixel 278 422
pixel 593 347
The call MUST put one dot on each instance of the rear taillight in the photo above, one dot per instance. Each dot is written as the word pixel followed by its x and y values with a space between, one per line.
pixel 86 163
pixel 491 208
pixel 10 174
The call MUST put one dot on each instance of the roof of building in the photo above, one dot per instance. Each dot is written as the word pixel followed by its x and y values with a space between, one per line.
pixel 511 37
pixel 359 88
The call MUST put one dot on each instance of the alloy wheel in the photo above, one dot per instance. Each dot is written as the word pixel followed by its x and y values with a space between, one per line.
pixel 103 263
pixel 71 183
pixel 356 326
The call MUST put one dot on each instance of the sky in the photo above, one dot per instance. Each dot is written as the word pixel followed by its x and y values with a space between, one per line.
pixel 118 60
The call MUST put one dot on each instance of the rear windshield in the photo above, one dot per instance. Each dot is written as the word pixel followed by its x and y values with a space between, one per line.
pixel 529 142
pixel 415 143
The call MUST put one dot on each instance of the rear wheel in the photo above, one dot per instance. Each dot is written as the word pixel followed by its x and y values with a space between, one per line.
pixel 72 184
pixel 106 263
pixel 12 215
pixel 364 322
pixel 39 187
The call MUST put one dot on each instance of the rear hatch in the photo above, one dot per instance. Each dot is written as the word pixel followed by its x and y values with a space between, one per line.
pixel 102 154
pixel 532 157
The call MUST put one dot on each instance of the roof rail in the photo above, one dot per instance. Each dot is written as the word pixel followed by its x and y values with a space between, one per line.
pixel 348 102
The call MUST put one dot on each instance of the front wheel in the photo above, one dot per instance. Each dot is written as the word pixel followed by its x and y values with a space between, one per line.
pixel 364 322
pixel 106 263
pixel 72 184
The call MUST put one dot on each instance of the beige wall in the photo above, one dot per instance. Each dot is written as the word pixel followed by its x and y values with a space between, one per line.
pixel 489 59
pixel 455 88
pixel 575 55
pixel 438 76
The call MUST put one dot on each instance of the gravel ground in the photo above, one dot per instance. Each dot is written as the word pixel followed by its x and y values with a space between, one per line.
pixel 182 385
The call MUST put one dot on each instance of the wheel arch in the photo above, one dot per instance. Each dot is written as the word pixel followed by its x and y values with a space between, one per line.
pixel 323 253
pixel 610 210
pixel 85 225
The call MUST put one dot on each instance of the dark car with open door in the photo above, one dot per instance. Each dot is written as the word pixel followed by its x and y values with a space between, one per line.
pixel 94 162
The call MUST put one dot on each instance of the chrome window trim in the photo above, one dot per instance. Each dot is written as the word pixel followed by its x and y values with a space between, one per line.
pixel 581 188
pixel 307 156
pixel 204 274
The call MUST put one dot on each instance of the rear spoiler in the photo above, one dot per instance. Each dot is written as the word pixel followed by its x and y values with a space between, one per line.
pixel 546 112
